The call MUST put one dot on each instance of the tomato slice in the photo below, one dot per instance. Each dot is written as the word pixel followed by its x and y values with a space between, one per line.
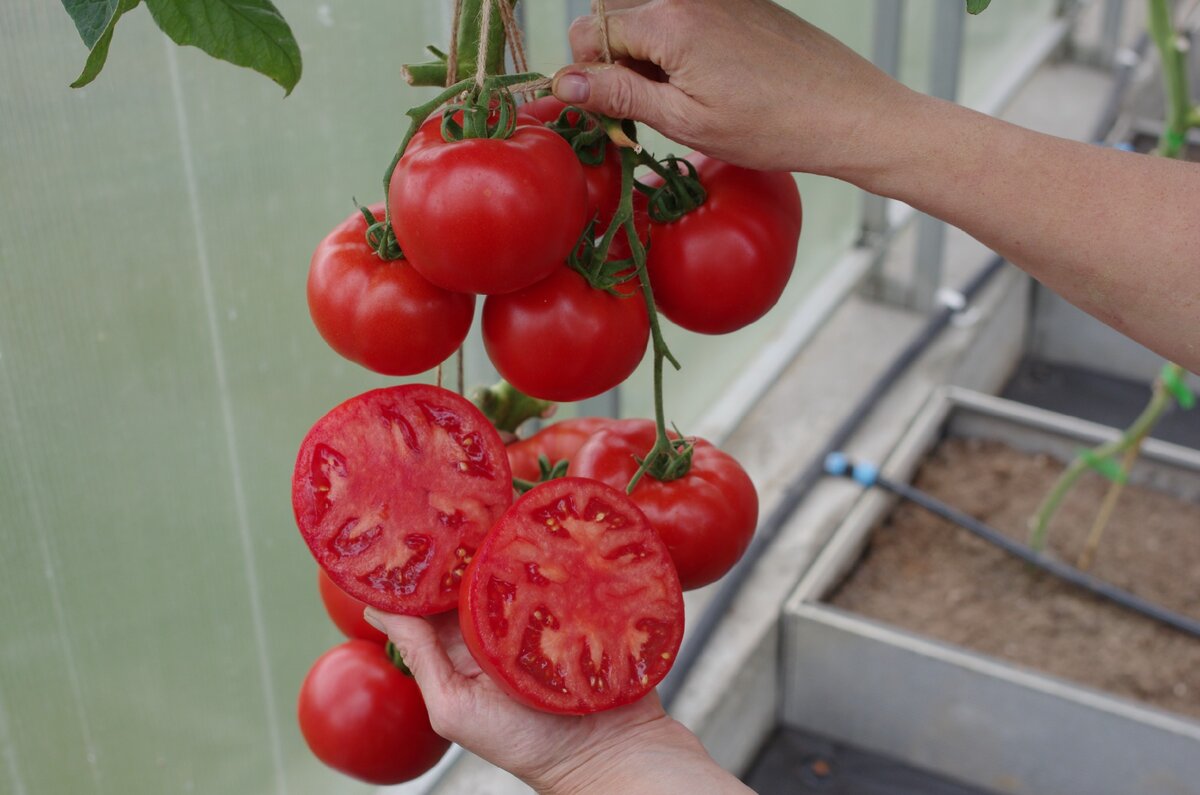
pixel 572 604
pixel 394 490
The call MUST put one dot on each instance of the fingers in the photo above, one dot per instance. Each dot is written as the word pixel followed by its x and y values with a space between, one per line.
pixel 616 5
pixel 617 91
pixel 628 37
pixel 418 644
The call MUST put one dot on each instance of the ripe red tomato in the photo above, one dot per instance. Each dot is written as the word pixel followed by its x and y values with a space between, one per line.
pixel 382 315
pixel 345 611
pixel 394 490
pixel 571 604
pixel 603 183
pixel 723 265
pixel 603 180
pixel 706 518
pixel 363 717
pixel 563 340
pixel 487 215
pixel 558 442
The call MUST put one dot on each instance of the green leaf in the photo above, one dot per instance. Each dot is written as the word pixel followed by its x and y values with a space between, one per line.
pixel 88 16
pixel 976 6
pixel 92 18
pixel 249 33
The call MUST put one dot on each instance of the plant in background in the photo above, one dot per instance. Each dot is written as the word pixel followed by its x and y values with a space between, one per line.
pixel 1114 460
pixel 250 33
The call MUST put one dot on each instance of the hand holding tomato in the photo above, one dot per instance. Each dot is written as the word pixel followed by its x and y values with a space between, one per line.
pixel 637 748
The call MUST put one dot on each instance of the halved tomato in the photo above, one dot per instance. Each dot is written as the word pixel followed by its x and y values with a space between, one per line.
pixel 572 604
pixel 393 491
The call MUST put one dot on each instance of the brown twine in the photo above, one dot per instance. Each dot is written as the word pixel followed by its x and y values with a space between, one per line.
pixel 452 58
pixel 531 86
pixel 462 389
pixel 604 31
pixel 512 32
pixel 485 23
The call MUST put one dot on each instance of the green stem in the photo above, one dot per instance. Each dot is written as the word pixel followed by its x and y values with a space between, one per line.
pixel 433 73
pixel 1175 79
pixel 1132 437
pixel 664 461
pixel 508 407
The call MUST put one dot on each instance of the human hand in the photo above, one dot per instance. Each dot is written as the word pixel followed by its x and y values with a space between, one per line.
pixel 551 753
pixel 744 81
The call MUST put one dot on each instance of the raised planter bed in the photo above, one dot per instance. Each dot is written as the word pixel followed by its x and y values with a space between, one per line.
pixel 973 717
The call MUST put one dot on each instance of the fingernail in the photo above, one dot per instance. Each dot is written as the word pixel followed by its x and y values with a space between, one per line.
pixel 372 618
pixel 572 88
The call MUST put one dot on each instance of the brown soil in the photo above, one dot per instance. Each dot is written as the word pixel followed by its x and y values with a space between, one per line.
pixel 926 575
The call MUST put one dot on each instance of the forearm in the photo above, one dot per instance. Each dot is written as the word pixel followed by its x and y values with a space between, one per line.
pixel 670 760
pixel 1117 234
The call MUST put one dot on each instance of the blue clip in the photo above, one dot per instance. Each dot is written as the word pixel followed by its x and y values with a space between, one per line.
pixel 837 464
pixel 865 473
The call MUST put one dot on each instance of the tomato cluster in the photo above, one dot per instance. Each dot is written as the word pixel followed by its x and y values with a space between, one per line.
pixel 569 595
pixel 501 217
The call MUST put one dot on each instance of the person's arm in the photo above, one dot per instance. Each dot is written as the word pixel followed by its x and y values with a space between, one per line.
pixel 637 749
pixel 1115 233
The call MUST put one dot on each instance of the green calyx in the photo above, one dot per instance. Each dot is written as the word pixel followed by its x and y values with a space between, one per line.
pixel 380 236
pixel 680 193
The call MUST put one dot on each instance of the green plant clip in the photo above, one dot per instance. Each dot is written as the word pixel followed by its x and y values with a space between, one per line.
pixel 1173 380
pixel 1105 465
pixel 1175 139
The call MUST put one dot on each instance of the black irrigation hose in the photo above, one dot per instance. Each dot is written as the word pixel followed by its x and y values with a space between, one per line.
pixel 795 492
pixel 867 475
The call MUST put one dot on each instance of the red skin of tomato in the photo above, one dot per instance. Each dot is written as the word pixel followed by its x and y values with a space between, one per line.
pixel 706 518
pixel 394 490
pixel 346 612
pixel 564 340
pixel 725 264
pixel 604 184
pixel 363 717
pixel 489 216
pixel 378 313
pixel 603 180
pixel 558 442
pixel 572 604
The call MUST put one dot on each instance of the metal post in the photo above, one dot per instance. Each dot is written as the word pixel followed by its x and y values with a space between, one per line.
pixel 885 53
pixel 948 29
pixel 1110 40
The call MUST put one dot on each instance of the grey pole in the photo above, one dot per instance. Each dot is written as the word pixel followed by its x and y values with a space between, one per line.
pixel 885 53
pixel 948 29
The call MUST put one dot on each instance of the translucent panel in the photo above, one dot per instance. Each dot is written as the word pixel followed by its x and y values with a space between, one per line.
pixel 992 40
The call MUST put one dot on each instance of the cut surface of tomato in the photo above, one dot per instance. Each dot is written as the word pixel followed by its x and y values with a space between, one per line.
pixel 572 604
pixel 394 490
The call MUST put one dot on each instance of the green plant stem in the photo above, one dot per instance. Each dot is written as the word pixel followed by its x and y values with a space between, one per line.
pixel 508 407
pixel 1132 437
pixel 433 73
pixel 664 461
pixel 1175 79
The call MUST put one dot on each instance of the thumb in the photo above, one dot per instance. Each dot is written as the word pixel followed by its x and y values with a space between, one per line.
pixel 618 91
pixel 418 645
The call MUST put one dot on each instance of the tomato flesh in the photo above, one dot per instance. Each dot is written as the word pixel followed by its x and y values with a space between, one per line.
pixel 394 490
pixel 572 604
